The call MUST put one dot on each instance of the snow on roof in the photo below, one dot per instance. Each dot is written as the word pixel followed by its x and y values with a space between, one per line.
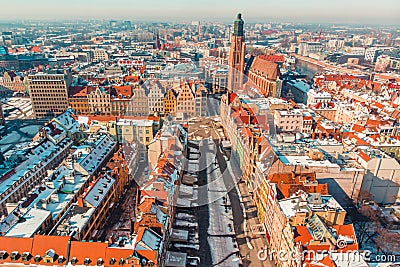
pixel 38 157
pixel 99 190
pixel 93 152
pixel 30 224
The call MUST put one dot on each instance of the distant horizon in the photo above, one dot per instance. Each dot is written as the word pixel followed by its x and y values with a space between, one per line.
pixel 356 12
pixel 183 21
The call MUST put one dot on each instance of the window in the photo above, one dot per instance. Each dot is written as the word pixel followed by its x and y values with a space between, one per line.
pixel 86 261
pixel 14 255
pixel 3 255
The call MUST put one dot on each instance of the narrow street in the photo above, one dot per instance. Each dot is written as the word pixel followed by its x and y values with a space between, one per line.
pixel 218 245
pixel 243 208
pixel 118 223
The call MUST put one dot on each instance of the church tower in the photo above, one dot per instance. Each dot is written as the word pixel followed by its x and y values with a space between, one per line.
pixel 236 56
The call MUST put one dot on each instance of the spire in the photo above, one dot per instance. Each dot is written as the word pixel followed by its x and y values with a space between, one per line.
pixel 238 27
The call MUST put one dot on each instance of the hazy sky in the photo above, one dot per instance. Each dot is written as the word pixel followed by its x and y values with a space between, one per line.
pixel 339 11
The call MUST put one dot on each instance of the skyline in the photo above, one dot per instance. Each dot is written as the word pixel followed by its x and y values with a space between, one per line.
pixel 341 11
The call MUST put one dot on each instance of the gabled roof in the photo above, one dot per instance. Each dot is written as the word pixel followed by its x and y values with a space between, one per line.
pixel 91 250
pixel 302 235
pixel 15 244
pixel 117 254
pixel 273 58
pixel 265 68
pixel 364 156
pixel 159 195
pixel 43 244
pixel 124 91
pixel 347 231
pixel 358 128
pixel 146 204
pixel 78 91
pixel 150 255
pixel 148 240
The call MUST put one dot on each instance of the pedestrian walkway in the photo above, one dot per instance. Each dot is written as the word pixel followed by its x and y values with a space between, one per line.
pixel 254 243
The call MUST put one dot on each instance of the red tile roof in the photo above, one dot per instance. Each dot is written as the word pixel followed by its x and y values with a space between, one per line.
pixel 146 204
pixel 17 244
pixel 118 254
pixel 290 183
pixel 35 49
pixel 91 250
pixel 232 97
pixel 159 195
pixel 125 91
pixel 273 58
pixel 302 235
pixel 378 105
pixel 78 91
pixel 358 140
pixel 364 156
pixel 358 128
pixel 150 255
pixel 42 244
pixel 131 78
pixel 348 231
pixel 267 68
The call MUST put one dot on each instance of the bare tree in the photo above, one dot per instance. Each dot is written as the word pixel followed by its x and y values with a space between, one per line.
pixel 367 223
pixel 387 241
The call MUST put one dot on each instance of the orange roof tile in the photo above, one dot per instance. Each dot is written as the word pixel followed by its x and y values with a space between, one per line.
pixel 90 250
pixel 42 244
pixel 364 156
pixel 159 195
pixel 378 105
pixel 358 140
pixel 290 183
pixel 18 244
pixel 150 255
pixel 131 78
pixel 146 204
pixel 358 128
pixel 117 254
pixel 273 58
pixel 125 90
pixel 35 49
pixel 346 230
pixel 302 235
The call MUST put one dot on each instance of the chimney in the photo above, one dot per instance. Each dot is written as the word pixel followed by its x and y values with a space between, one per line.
pixel 80 202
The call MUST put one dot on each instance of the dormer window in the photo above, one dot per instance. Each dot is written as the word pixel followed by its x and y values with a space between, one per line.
pixel 14 255
pixel 49 256
pixel 3 255
pixel 26 256
pixel 112 261
pixel 60 259
pixel 37 258
pixel 121 261
pixel 100 262
pixel 86 261
pixel 74 260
